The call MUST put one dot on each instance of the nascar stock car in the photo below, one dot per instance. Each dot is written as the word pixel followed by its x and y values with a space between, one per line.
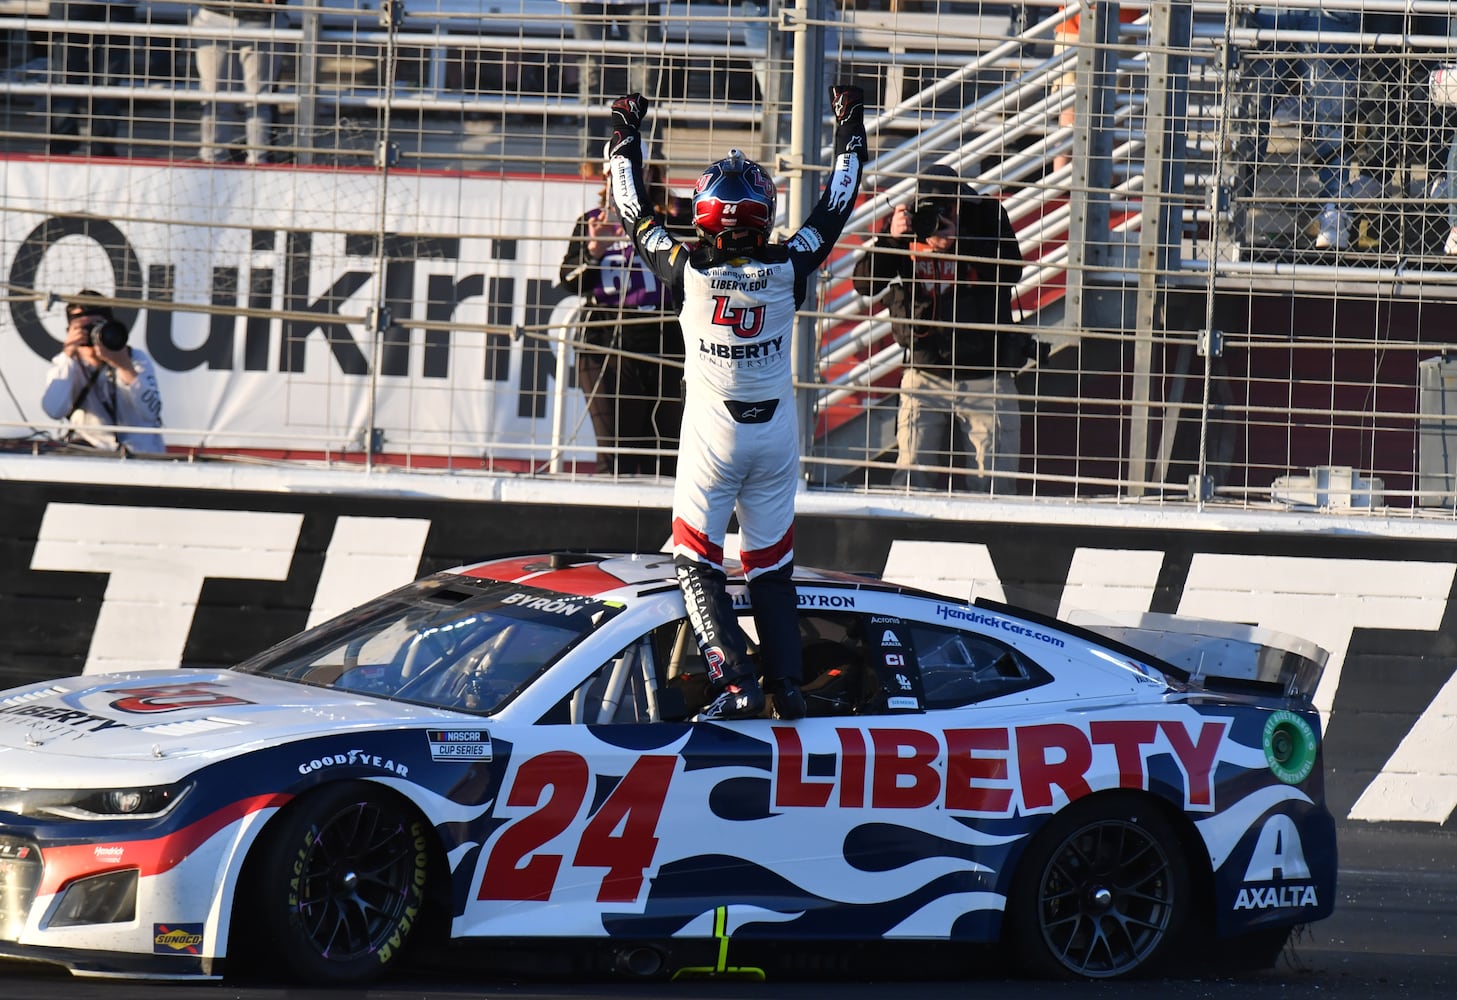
pixel 507 752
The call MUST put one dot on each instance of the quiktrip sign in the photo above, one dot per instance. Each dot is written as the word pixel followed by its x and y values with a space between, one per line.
pixel 286 346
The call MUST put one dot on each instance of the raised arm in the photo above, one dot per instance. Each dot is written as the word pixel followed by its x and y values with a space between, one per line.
pixel 663 252
pixel 812 243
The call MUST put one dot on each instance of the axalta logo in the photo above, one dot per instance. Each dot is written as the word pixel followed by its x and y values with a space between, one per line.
pixel 1278 856
pixel 357 758
pixel 1276 898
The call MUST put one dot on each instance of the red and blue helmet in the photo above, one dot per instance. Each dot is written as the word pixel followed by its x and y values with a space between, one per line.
pixel 734 195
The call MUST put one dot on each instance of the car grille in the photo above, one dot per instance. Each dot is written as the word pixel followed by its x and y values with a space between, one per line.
pixel 20 872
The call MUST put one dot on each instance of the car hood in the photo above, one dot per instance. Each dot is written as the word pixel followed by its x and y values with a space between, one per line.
pixel 172 715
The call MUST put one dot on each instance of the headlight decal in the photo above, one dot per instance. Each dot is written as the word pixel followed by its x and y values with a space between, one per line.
pixel 64 865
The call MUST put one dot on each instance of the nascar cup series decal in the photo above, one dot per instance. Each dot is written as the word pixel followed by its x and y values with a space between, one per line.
pixel 459 744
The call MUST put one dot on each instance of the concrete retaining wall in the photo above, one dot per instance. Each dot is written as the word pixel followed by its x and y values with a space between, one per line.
pixel 108 564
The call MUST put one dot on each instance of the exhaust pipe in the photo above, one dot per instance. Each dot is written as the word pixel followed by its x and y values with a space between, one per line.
pixel 640 961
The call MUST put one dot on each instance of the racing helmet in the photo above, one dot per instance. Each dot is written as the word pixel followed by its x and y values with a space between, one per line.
pixel 735 199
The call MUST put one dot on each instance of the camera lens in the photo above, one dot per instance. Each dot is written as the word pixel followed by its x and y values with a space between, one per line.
pixel 110 335
pixel 925 219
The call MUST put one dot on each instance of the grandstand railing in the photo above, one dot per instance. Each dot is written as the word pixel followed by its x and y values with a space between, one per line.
pixel 1240 363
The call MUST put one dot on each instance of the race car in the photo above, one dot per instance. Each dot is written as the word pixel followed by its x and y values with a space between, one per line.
pixel 508 751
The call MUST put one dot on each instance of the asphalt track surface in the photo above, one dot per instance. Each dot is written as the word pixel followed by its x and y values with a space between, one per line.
pixel 1393 936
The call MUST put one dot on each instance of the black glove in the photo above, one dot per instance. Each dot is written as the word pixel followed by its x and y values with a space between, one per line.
pixel 848 104
pixel 627 116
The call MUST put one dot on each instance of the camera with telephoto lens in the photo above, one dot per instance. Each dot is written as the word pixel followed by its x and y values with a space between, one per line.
pixel 107 333
pixel 926 219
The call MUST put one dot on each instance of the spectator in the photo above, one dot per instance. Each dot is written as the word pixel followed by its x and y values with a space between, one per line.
pixel 634 401
pixel 637 21
pixel 98 381
pixel 945 273
pixel 1327 97
pixel 1067 35
pixel 236 65
pixel 737 296
pixel 89 59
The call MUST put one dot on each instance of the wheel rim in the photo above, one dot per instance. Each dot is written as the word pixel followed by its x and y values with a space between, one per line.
pixel 354 881
pixel 1106 899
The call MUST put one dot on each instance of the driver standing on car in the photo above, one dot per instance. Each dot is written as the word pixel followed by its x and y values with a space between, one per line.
pixel 740 445
pixel 98 381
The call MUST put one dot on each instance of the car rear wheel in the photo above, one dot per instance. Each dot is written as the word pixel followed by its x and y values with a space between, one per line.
pixel 340 884
pixel 1101 892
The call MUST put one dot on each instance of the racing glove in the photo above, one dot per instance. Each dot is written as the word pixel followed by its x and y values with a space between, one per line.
pixel 848 107
pixel 627 115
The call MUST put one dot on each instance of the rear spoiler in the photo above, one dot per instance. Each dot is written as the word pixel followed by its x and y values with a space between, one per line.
pixel 1216 655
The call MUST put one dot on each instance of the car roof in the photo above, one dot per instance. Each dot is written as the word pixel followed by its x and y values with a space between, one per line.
pixel 594 574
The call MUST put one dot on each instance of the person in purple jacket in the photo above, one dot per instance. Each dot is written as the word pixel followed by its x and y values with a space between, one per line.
pixel 628 340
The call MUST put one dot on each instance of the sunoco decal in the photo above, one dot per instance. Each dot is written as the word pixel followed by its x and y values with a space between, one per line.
pixel 459 744
pixel 177 939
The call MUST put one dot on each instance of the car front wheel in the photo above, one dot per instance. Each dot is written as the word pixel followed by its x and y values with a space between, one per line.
pixel 340 884
pixel 1101 892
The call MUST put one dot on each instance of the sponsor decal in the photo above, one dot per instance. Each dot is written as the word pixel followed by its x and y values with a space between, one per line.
pixel 459 744
pixel 903 682
pixel 902 703
pixel 177 939
pixel 1278 861
pixel 111 854
pixel 1276 898
pixel 895 659
pixel 172 698
pixel 884 620
pixel 12 851
pixel 713 656
pixel 973 617
pixel 354 758
pixel 994 770
pixel 56 719
pixel 889 639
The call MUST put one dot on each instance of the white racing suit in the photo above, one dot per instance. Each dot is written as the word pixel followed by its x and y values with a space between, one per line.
pixel 740 441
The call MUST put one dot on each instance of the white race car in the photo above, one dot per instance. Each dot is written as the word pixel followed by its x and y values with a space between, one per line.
pixel 506 750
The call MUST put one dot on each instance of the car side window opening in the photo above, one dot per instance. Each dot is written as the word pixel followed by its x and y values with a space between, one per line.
pixel 961 668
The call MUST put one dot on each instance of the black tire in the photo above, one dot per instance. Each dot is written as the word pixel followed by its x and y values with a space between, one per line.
pixel 1101 892
pixel 339 885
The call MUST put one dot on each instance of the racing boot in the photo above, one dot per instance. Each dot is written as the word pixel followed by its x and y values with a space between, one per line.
pixel 742 699
pixel 788 700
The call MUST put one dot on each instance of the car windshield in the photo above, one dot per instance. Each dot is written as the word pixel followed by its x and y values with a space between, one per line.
pixel 448 642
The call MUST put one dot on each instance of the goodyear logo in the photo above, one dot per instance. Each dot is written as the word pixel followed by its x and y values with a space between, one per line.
pixel 177 939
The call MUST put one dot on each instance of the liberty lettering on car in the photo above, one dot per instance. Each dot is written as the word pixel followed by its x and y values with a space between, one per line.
pixel 620 836
pixel 970 770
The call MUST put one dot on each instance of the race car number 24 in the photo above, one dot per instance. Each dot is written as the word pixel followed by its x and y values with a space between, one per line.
pixel 621 835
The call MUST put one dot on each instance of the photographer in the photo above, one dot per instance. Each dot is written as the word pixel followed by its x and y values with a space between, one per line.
pixel 944 271
pixel 98 381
